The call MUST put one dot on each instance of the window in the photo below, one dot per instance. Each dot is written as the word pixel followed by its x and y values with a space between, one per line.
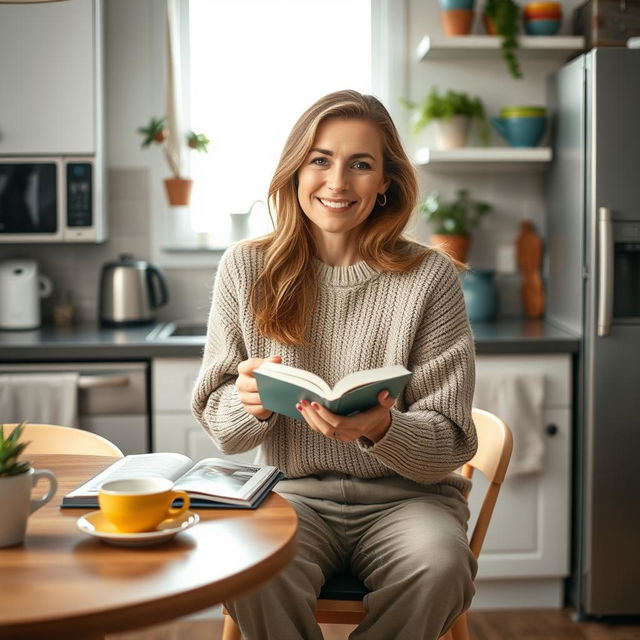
pixel 254 66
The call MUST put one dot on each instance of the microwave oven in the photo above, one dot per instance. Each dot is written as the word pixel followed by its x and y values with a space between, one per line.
pixel 51 199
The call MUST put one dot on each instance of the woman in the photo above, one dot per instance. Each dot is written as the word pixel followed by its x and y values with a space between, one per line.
pixel 335 289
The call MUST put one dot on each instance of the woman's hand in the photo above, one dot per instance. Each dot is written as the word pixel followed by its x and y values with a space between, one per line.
pixel 247 387
pixel 371 424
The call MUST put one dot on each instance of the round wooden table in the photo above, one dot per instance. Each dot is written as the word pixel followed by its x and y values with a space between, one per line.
pixel 62 583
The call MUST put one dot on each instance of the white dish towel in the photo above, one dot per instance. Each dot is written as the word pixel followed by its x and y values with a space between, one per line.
pixel 518 399
pixel 40 398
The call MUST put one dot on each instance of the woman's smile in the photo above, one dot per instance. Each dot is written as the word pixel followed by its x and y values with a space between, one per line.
pixel 340 179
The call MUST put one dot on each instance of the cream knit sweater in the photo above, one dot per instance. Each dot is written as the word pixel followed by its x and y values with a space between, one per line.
pixel 363 319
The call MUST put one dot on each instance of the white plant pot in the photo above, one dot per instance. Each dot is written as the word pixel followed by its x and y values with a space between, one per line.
pixel 16 504
pixel 452 133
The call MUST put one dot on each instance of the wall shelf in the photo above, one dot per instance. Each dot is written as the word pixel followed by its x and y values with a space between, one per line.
pixel 460 47
pixel 484 158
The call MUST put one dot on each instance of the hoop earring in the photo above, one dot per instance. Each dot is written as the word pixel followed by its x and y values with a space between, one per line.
pixel 384 199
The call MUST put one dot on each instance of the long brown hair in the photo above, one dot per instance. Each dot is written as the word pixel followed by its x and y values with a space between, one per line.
pixel 283 295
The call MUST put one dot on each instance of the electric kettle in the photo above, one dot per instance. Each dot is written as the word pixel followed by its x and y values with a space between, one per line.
pixel 130 291
pixel 21 287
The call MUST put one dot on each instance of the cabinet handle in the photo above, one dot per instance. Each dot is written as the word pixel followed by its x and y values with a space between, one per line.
pixel 96 382
pixel 551 430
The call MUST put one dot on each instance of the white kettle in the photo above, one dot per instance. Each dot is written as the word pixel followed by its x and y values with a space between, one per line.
pixel 21 287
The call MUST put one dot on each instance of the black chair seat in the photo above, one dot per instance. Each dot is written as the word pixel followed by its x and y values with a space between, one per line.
pixel 343 586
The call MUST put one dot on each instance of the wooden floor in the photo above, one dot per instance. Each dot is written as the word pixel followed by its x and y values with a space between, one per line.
pixel 485 625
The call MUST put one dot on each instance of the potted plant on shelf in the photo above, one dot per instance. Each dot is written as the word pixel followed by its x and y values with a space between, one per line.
pixel 501 17
pixel 452 114
pixel 156 132
pixel 17 477
pixel 457 16
pixel 453 221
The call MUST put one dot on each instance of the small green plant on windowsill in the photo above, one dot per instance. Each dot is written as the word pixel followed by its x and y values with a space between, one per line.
pixel 436 106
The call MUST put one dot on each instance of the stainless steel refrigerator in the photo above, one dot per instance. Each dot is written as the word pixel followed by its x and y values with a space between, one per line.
pixel 593 288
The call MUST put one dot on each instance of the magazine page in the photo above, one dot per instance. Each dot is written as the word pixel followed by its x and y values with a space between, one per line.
pixel 167 465
pixel 217 477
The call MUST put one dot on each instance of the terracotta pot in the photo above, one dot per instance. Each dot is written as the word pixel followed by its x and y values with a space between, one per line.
pixel 178 191
pixel 457 246
pixel 457 22
pixel 489 27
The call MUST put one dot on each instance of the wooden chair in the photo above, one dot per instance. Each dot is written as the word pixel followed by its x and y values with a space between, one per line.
pixel 53 438
pixel 340 600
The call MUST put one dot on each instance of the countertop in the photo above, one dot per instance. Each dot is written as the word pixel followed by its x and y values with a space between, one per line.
pixel 90 342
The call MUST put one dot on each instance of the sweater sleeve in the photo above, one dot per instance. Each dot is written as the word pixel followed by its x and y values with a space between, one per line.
pixel 435 435
pixel 215 401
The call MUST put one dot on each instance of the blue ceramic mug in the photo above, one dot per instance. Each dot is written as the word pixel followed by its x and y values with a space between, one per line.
pixel 521 131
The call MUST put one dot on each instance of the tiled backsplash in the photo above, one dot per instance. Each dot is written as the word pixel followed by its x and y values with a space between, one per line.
pixel 75 268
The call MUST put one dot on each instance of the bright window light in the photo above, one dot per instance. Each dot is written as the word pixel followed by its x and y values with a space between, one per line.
pixel 255 66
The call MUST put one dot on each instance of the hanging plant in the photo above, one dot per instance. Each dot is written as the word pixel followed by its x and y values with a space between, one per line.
pixel 504 15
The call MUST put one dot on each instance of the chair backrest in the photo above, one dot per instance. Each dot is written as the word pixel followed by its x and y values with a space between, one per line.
pixel 53 438
pixel 495 444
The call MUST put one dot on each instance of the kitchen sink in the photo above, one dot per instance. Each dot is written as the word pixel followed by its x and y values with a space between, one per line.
pixel 177 330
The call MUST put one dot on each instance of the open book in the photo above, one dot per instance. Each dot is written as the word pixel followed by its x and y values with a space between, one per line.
pixel 210 483
pixel 282 387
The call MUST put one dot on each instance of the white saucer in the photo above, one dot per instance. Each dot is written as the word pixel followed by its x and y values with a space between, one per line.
pixel 95 524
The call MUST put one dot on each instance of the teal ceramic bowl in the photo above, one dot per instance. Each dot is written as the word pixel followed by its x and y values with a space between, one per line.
pixel 521 131
pixel 446 5
pixel 542 27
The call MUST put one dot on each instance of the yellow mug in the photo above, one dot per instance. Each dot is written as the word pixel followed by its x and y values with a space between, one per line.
pixel 139 504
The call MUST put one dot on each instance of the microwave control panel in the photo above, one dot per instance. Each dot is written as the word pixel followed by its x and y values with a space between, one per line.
pixel 79 194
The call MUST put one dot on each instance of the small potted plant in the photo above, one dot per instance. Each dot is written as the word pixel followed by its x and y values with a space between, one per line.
pixel 457 16
pixel 501 17
pixel 17 477
pixel 453 221
pixel 452 113
pixel 178 188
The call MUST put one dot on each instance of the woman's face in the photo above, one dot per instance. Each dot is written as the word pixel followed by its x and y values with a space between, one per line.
pixel 342 175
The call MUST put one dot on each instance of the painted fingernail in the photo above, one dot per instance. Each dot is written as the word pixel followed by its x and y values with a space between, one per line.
pixel 315 405
pixel 304 403
pixel 299 407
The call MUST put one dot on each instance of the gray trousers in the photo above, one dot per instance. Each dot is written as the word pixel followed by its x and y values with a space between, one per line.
pixel 406 542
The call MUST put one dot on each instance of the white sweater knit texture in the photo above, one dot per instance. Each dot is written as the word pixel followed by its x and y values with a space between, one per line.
pixel 363 319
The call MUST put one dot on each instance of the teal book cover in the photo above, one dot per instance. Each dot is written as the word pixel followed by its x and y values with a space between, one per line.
pixel 281 388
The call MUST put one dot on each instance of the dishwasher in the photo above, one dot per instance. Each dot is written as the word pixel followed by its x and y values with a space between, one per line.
pixel 113 399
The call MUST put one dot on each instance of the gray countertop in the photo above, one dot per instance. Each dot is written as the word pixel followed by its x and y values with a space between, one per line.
pixel 91 342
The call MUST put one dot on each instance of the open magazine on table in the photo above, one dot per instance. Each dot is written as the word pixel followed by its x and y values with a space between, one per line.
pixel 210 483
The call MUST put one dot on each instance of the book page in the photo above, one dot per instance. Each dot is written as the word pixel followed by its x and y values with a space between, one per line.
pixel 361 378
pixel 293 375
pixel 145 465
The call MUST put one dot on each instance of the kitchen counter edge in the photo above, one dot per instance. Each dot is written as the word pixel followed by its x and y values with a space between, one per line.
pixel 90 342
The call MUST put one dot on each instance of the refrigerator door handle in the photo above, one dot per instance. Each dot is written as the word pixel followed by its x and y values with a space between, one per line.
pixel 605 272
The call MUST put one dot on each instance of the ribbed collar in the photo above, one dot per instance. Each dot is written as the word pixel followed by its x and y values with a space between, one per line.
pixel 348 276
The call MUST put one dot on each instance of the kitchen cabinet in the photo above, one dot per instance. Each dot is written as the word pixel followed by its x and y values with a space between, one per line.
pixel 525 557
pixel 51 78
pixel 174 427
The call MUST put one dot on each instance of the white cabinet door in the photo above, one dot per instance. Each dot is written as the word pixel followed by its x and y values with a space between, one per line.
pixel 529 532
pixel 174 427
pixel 49 77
